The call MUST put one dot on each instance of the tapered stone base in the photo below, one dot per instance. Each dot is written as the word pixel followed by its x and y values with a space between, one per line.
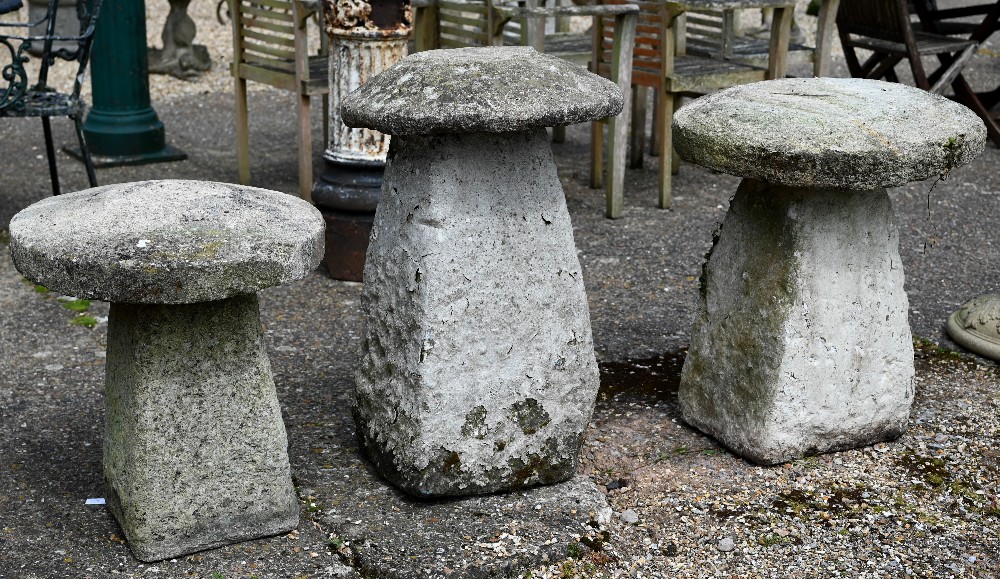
pixel 195 453
pixel 801 344
pixel 477 370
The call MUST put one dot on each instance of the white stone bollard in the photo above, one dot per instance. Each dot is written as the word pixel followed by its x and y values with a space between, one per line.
pixel 195 453
pixel 801 343
pixel 477 370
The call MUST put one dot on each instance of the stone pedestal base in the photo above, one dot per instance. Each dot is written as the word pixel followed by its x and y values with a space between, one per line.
pixel 195 453
pixel 346 243
pixel 180 56
pixel 477 371
pixel 801 344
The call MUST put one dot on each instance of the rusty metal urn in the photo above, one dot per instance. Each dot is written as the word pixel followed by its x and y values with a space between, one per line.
pixel 365 39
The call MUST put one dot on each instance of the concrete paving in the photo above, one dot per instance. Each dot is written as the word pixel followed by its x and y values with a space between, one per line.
pixel 641 274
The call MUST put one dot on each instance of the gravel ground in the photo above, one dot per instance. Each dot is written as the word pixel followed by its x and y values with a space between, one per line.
pixel 925 505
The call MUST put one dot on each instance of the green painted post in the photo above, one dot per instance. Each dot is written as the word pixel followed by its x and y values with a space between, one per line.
pixel 122 128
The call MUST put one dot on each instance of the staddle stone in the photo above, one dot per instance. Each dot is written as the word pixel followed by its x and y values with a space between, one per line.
pixel 477 369
pixel 466 90
pixel 195 452
pixel 828 132
pixel 801 342
pixel 166 242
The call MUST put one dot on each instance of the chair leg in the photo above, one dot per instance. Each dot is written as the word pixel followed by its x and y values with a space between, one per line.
pixel 88 162
pixel 50 151
pixel 654 149
pixel 824 37
pixel 967 96
pixel 886 67
pixel 559 134
pixel 242 132
pixel 851 56
pixel 305 149
pixel 638 126
pixel 617 138
pixel 597 154
pixel 665 115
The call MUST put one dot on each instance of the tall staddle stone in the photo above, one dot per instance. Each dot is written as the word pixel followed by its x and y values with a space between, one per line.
pixel 477 369
pixel 801 342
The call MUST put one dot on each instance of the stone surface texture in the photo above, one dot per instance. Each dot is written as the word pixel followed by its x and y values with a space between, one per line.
pixel 477 370
pixel 828 132
pixel 195 452
pixel 489 89
pixel 166 241
pixel 801 343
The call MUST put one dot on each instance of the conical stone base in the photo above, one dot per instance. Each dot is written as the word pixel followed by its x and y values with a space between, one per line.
pixel 477 369
pixel 195 453
pixel 801 343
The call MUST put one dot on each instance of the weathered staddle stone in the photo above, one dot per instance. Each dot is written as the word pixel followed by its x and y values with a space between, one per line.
pixel 195 454
pixel 477 369
pixel 801 343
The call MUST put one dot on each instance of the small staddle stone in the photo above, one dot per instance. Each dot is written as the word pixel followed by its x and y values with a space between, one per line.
pixel 801 342
pixel 477 369
pixel 195 452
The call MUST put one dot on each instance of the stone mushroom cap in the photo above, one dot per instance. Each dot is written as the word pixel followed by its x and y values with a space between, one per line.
pixel 489 89
pixel 828 132
pixel 166 242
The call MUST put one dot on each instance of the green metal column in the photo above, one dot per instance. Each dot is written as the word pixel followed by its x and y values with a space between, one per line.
pixel 122 128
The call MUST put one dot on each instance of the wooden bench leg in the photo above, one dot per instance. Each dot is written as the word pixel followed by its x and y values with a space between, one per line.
pixel 242 132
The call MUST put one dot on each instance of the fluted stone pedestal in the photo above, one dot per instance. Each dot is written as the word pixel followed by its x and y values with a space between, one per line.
pixel 801 342
pixel 195 453
pixel 477 369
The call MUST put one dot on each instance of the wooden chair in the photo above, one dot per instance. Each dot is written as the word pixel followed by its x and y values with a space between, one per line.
pixel 270 47
pixel 752 49
pixel 452 24
pixel 20 98
pixel 948 20
pixel 885 29
pixel 664 61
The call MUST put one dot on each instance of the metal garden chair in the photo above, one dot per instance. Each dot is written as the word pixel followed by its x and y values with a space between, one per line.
pixel 23 98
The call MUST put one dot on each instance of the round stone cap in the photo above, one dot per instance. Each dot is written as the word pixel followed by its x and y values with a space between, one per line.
pixel 166 242
pixel 487 89
pixel 976 325
pixel 828 132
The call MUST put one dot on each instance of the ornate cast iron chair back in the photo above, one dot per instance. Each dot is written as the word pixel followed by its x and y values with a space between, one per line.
pixel 22 96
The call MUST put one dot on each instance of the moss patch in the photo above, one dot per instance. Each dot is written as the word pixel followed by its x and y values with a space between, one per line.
pixel 530 416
